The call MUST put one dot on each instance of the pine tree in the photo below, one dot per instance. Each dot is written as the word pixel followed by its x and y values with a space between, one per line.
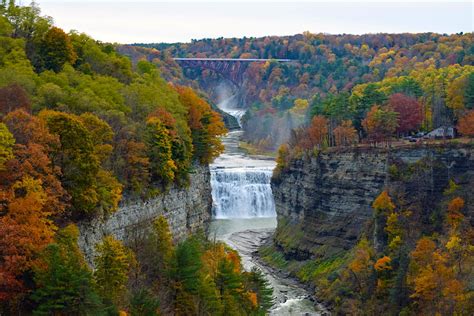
pixel 188 261
pixel 260 285
pixel 64 286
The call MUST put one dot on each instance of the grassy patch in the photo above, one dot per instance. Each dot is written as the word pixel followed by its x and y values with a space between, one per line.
pixel 273 257
pixel 314 270
pixel 289 235
pixel 255 150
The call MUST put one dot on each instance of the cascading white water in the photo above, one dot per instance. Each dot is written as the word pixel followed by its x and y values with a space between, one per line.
pixel 240 184
pixel 242 192
pixel 244 211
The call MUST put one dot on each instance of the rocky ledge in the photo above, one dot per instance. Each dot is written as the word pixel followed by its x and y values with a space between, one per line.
pixel 187 210
pixel 324 202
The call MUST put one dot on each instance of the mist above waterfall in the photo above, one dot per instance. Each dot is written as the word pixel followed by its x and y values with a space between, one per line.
pixel 228 100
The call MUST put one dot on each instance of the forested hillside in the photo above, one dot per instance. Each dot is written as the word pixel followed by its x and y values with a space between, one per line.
pixel 331 72
pixel 342 99
pixel 379 231
pixel 81 128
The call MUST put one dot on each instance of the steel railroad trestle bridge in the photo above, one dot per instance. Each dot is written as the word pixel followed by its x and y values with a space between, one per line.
pixel 230 68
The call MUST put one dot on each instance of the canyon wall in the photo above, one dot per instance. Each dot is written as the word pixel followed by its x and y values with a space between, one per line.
pixel 187 210
pixel 324 202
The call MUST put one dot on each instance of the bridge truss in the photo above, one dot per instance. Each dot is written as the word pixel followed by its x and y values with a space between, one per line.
pixel 230 68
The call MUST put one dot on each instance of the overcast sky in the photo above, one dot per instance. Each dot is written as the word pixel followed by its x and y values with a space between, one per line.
pixel 148 21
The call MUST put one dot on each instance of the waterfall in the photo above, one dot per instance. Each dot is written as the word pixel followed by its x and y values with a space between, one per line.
pixel 240 184
pixel 228 102
pixel 242 192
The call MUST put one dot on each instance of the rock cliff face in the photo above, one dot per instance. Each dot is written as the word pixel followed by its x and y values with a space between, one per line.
pixel 186 209
pixel 323 203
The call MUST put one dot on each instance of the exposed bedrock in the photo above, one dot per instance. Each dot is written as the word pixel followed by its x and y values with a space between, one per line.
pixel 187 210
pixel 323 203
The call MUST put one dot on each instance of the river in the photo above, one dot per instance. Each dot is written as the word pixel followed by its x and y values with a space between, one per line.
pixel 244 217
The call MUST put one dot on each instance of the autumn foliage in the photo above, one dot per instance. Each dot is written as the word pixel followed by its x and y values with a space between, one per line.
pixel 409 111
pixel 436 282
pixel 345 134
pixel 13 97
pixel 466 124
pixel 383 203
pixel 455 216
pixel 206 126
pixel 383 264
pixel 79 127
pixel 317 131
pixel 380 124
pixel 26 229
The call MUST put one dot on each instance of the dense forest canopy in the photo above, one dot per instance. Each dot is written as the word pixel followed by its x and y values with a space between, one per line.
pixel 330 76
pixel 81 127
pixel 346 91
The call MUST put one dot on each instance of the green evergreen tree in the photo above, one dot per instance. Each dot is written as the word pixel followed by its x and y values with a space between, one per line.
pixel 143 303
pixel 260 285
pixel 188 264
pixel 65 286
pixel 361 104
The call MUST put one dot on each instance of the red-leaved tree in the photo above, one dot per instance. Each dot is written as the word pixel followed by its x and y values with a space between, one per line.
pixel 409 112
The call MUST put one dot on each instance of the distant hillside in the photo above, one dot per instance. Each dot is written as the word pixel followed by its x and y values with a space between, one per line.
pixel 326 65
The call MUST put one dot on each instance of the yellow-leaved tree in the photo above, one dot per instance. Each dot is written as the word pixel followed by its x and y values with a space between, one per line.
pixel 113 264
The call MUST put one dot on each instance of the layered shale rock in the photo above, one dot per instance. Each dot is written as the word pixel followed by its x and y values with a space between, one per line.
pixel 187 209
pixel 324 202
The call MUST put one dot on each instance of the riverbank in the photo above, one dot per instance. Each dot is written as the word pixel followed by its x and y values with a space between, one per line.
pixel 245 219
pixel 247 236
pixel 286 275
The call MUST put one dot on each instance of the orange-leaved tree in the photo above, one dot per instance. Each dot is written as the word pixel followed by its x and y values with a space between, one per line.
pixel 380 123
pixel 466 124
pixel 206 125
pixel 26 229
pixel 345 134
pixel 455 216
pixel 34 145
pixel 433 278
pixel 317 132
pixel 361 266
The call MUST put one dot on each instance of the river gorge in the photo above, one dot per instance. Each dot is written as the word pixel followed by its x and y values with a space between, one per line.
pixel 244 217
